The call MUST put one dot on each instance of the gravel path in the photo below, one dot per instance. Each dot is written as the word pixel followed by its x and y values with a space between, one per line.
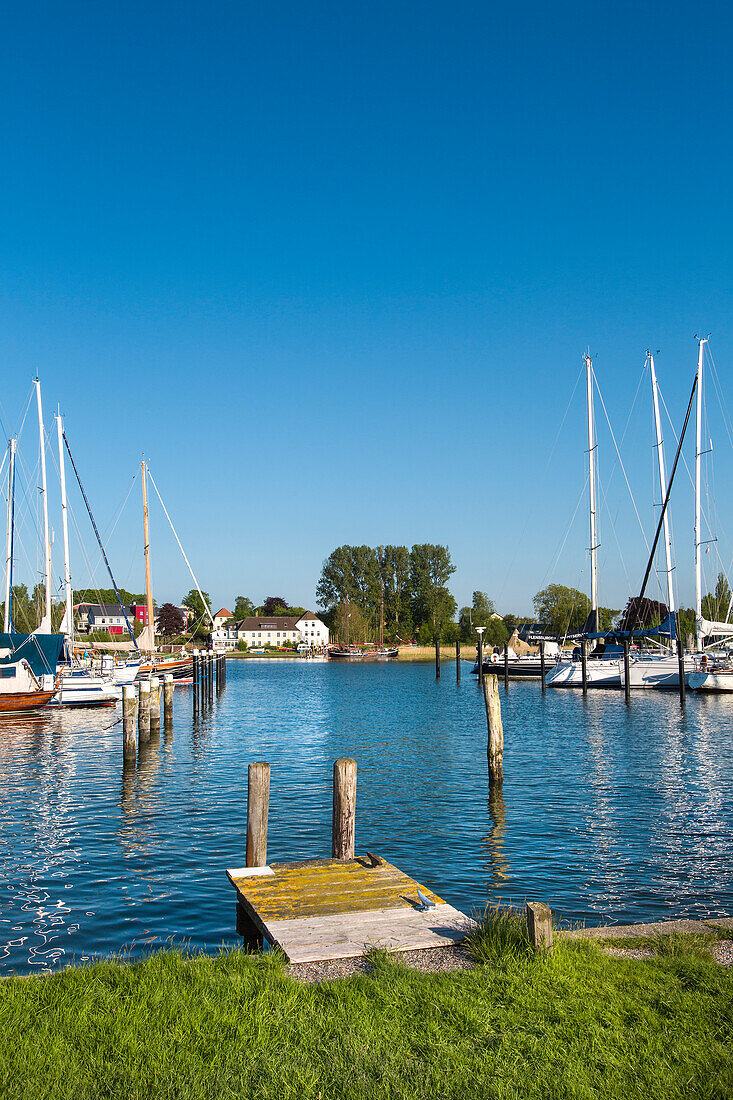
pixel 434 960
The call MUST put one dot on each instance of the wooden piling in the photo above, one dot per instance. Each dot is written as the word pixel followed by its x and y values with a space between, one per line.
pixel 437 658
pixel 258 806
pixel 129 702
pixel 680 661
pixel 344 809
pixel 168 698
pixel 495 744
pixel 480 659
pixel 210 683
pixel 143 711
pixel 506 664
pixel 458 661
pixel 539 925
pixel 584 667
pixel 155 702
pixel 542 667
pixel 627 678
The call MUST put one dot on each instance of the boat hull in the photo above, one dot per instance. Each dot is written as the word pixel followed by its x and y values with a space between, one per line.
pixel 655 672
pixel 601 673
pixel 24 700
pixel 718 682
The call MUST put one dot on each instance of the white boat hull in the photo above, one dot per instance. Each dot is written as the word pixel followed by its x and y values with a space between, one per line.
pixel 601 672
pixel 655 672
pixel 84 689
pixel 719 682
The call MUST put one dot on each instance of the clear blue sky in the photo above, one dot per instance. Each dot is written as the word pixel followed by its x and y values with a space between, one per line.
pixel 333 268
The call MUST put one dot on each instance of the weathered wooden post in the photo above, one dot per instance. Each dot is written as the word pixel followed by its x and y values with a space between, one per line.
pixel 506 664
pixel 584 666
pixel 128 722
pixel 258 806
pixel 495 744
pixel 344 809
pixel 539 925
pixel 458 661
pixel 680 661
pixel 542 667
pixel 627 678
pixel 168 698
pixel 210 684
pixel 437 658
pixel 143 711
pixel 154 702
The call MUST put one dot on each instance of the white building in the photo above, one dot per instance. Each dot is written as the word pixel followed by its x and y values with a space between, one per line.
pixel 222 616
pixel 277 630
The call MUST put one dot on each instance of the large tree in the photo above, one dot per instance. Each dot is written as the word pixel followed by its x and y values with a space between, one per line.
pixel 199 620
pixel 394 571
pixel 561 610
pixel 170 620
pixel 350 574
pixel 430 570
pixel 274 605
pixel 643 613
pixel 243 608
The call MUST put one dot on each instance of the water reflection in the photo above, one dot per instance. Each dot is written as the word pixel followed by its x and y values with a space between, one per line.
pixel 604 811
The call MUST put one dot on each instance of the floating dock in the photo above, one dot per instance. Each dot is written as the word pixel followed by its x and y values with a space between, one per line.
pixel 320 909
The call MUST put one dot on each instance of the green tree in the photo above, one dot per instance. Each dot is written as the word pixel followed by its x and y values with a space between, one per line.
pixel 351 573
pixel 715 605
pixel 199 622
pixel 394 570
pixel 561 610
pixel 478 614
pixel 430 570
pixel 243 608
pixel 349 624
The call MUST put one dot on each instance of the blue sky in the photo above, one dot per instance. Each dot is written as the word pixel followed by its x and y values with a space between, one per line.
pixel 334 267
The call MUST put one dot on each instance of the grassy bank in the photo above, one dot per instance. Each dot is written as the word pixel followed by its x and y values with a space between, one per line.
pixel 575 1024
pixel 427 653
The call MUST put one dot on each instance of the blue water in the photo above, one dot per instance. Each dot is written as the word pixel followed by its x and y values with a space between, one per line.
pixel 606 812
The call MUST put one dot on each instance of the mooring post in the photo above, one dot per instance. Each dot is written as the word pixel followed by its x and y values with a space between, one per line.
pixel 627 678
pixel 480 632
pixel 128 722
pixel 542 667
pixel 155 702
pixel 168 698
pixel 437 658
pixel 143 711
pixel 211 676
pixel 344 809
pixel 495 744
pixel 458 661
pixel 216 671
pixel 584 666
pixel 258 806
pixel 539 925
pixel 680 661
pixel 506 664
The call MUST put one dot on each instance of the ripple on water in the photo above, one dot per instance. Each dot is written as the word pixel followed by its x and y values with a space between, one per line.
pixel 607 812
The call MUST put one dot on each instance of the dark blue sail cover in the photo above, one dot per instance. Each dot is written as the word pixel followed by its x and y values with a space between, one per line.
pixel 41 651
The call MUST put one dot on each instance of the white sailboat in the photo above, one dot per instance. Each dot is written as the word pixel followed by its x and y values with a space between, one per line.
pixel 658 670
pixel 712 672
pixel 601 671
pixel 79 685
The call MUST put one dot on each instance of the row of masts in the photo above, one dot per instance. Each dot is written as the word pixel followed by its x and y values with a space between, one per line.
pixel 592 493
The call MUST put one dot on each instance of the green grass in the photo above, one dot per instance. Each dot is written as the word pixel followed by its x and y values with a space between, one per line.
pixel 572 1024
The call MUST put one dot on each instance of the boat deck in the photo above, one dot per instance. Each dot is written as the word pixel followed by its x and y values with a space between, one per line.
pixel 334 909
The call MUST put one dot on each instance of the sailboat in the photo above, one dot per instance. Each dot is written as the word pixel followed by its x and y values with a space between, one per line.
pixel 27 661
pixel 159 663
pixel 659 670
pixel 712 672
pixel 602 663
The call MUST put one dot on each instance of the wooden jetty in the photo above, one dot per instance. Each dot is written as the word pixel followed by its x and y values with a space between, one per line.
pixel 336 908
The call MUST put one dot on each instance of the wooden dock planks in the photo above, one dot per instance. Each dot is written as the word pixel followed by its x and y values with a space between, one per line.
pixel 333 909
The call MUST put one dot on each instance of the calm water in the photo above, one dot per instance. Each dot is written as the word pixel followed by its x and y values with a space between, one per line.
pixel 607 812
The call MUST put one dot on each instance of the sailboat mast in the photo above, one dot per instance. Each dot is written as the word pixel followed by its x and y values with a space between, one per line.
pixel 148 586
pixel 592 492
pixel 68 623
pixel 698 536
pixel 662 483
pixel 45 625
pixel 8 623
